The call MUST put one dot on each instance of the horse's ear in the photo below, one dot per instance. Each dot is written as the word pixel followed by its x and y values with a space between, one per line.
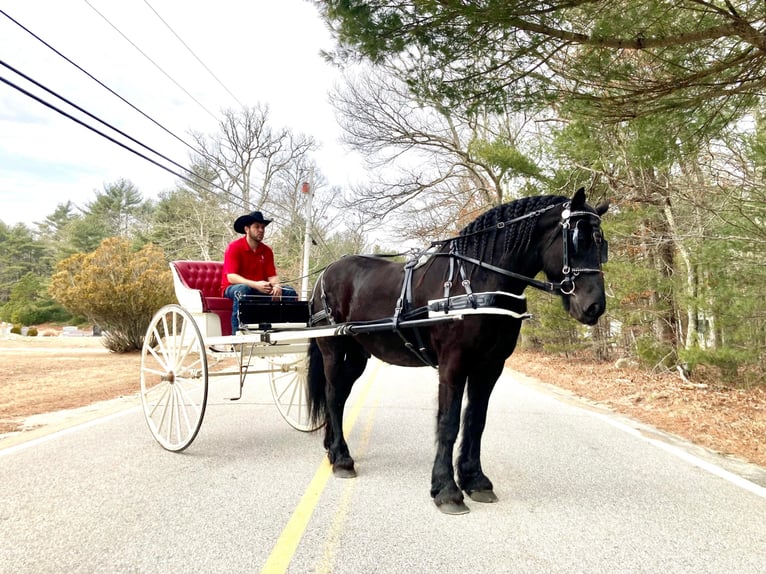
pixel 578 199
pixel 602 208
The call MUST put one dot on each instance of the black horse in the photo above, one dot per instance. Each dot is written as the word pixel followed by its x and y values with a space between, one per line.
pixel 380 308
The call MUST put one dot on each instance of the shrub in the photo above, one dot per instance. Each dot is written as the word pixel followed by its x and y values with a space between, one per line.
pixel 654 354
pixel 32 332
pixel 115 287
pixel 16 329
pixel 30 304
pixel 728 361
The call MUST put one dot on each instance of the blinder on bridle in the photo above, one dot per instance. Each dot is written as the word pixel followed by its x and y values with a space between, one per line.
pixel 578 237
pixel 579 240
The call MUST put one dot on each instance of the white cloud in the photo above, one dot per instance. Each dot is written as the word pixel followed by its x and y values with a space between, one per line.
pixel 263 51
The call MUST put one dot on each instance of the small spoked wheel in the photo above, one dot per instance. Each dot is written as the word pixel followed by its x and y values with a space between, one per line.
pixel 174 378
pixel 289 380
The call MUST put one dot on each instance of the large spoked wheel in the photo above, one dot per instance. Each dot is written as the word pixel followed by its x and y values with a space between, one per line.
pixel 289 387
pixel 174 378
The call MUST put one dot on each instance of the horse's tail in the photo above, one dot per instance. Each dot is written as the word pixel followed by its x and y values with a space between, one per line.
pixel 317 383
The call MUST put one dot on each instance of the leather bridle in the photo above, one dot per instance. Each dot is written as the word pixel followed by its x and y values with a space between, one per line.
pixel 570 234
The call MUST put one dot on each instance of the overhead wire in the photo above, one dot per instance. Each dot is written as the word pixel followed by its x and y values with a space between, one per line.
pixel 85 125
pixel 193 54
pixel 110 90
pixel 99 82
pixel 156 65
pixel 89 114
pixel 238 203
pixel 116 29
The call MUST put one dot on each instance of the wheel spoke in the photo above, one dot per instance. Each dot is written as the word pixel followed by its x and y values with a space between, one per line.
pixel 174 390
pixel 288 387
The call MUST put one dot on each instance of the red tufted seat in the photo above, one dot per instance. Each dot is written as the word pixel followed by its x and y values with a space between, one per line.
pixel 204 278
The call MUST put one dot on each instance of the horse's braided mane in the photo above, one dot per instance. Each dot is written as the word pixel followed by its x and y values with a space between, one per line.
pixel 474 239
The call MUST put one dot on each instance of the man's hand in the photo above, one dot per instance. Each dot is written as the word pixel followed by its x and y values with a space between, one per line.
pixel 264 287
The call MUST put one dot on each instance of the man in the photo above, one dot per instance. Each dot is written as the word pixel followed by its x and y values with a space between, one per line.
pixel 248 266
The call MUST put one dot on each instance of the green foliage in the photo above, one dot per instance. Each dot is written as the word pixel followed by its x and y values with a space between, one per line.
pixel 551 328
pixel 117 208
pixel 505 157
pixel 727 360
pixel 653 353
pixel 30 304
pixel 16 329
pixel 20 254
pixel 117 288
pixel 32 332
pixel 624 59
pixel 84 234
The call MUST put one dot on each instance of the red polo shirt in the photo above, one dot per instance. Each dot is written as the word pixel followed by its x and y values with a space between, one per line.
pixel 256 265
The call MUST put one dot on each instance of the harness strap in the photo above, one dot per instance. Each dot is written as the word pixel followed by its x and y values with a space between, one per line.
pixel 450 273
pixel 402 304
pixel 326 312
pixel 499 225
pixel 542 285
pixel 467 285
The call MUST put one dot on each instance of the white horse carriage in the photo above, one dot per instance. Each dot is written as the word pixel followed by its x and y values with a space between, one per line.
pixel 189 343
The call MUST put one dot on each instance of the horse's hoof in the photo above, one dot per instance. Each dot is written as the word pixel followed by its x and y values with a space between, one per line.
pixel 341 472
pixel 482 496
pixel 453 508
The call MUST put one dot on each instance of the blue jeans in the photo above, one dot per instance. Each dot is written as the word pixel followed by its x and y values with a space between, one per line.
pixel 234 292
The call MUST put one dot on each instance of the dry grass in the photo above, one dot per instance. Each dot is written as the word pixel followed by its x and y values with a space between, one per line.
pixel 41 375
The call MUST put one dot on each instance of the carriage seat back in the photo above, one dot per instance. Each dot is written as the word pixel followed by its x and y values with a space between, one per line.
pixel 198 290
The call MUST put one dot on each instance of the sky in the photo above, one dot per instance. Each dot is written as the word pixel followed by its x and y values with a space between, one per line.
pixel 261 51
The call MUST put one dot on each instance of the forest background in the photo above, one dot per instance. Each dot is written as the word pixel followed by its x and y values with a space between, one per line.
pixel 656 106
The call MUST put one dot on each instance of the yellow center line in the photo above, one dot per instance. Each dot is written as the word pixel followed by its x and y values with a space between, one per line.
pixel 341 514
pixel 287 543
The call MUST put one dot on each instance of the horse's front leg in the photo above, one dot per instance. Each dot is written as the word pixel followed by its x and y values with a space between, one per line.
pixel 471 477
pixel 342 367
pixel 444 490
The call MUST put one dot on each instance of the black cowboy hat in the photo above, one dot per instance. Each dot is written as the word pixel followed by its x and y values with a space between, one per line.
pixel 245 220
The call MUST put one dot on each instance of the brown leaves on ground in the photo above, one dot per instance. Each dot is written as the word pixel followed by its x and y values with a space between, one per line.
pixel 722 418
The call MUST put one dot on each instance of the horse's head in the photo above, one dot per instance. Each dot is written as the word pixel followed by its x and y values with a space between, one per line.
pixel 575 251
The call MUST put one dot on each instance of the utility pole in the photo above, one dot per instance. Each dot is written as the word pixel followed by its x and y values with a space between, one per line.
pixel 308 188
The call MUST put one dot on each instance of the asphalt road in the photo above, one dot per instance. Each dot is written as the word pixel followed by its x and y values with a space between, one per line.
pixel 580 491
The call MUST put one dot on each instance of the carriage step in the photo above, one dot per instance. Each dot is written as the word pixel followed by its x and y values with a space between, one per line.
pixel 222 348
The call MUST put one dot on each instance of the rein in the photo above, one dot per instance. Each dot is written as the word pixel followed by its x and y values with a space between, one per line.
pixel 498 225
pixel 546 286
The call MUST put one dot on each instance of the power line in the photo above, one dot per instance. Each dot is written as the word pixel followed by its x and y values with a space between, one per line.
pixel 99 82
pixel 156 65
pixel 117 142
pixel 87 113
pixel 110 90
pixel 238 203
pixel 193 54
